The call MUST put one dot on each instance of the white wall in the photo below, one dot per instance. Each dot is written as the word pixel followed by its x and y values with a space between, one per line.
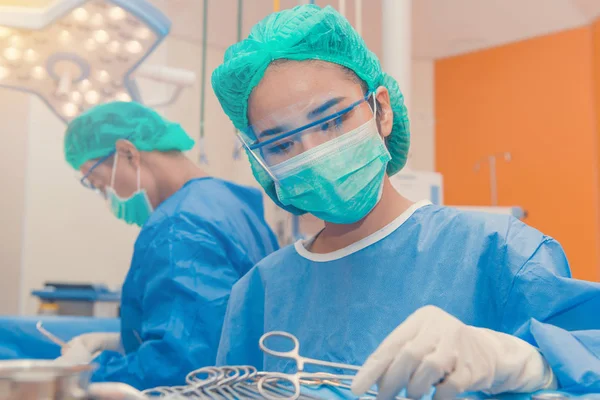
pixel 422 116
pixel 14 117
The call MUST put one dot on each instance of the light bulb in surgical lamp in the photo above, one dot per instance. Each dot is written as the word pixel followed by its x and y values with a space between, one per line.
pixel 114 46
pixel 117 14
pixel 134 47
pixel 142 33
pixel 31 55
pixel 103 76
pixel 101 36
pixel 64 37
pixel 13 54
pixel 92 97
pixel 76 97
pixel 17 41
pixel 70 110
pixel 122 96
pixel 38 72
pixel 5 32
pixel 81 15
pixel 76 54
pixel 85 85
pixel 97 21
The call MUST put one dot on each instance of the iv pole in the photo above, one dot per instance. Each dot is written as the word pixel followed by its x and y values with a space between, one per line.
pixel 491 160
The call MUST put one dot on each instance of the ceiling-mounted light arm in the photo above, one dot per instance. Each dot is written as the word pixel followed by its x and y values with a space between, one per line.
pixel 180 78
pixel 64 84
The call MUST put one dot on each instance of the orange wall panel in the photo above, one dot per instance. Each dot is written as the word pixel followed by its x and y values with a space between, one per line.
pixel 596 73
pixel 535 99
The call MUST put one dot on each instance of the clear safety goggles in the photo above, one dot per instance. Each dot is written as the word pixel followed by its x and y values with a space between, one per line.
pixel 297 129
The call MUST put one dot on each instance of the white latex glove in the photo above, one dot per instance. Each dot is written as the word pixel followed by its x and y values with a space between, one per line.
pixel 432 348
pixel 86 347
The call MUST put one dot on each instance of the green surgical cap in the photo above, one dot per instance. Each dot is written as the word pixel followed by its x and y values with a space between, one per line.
pixel 94 133
pixel 306 32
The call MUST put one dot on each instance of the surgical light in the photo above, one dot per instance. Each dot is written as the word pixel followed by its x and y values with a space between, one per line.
pixel 117 14
pixel 76 97
pixel 75 54
pixel 12 54
pixel 16 41
pixel 31 55
pixel 122 96
pixel 103 76
pixel 64 37
pixel 143 33
pixel 85 85
pixel 70 109
pixel 81 15
pixel 92 97
pixel 97 21
pixel 134 47
pixel 38 72
pixel 101 36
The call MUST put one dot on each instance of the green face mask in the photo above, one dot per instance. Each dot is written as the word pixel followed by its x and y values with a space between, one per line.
pixel 135 209
pixel 339 181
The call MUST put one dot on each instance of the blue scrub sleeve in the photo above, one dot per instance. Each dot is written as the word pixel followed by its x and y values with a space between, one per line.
pixel 187 286
pixel 559 315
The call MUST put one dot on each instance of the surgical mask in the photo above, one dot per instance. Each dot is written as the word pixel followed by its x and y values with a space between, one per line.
pixel 135 209
pixel 339 181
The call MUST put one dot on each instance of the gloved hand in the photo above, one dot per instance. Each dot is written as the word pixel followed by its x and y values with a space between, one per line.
pixel 432 348
pixel 86 347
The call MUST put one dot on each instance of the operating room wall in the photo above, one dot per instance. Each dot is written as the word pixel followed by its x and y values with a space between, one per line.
pixel 13 128
pixel 535 99
pixel 595 28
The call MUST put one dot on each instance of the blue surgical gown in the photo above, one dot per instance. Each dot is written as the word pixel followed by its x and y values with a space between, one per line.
pixel 187 257
pixel 488 270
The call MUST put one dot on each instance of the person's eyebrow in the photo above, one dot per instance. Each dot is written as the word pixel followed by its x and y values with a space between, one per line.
pixel 324 107
pixel 312 115
pixel 272 131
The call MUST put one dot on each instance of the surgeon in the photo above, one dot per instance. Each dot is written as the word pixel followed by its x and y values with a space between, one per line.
pixel 199 235
pixel 423 297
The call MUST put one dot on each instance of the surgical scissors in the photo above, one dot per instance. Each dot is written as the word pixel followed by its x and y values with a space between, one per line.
pixel 300 376
pixel 316 379
pixel 49 335
pixel 57 341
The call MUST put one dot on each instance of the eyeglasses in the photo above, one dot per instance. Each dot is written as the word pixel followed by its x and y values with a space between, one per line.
pixel 85 181
pixel 273 147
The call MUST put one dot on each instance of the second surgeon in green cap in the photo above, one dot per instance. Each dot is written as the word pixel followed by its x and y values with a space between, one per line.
pixel 199 236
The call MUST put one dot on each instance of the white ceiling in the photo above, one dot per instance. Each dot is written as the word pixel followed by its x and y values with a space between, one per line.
pixel 441 28
pixel 447 27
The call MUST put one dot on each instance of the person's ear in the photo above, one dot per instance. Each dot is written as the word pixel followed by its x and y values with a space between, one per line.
pixel 385 115
pixel 129 152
